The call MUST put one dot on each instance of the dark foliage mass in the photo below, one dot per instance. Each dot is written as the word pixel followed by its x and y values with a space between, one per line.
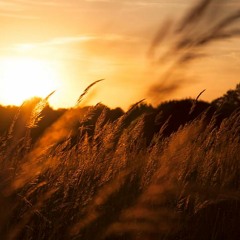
pixel 172 113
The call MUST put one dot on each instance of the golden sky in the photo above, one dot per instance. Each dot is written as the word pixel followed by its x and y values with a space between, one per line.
pixel 67 44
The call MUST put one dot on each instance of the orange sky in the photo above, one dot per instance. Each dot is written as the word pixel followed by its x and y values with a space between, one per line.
pixel 82 41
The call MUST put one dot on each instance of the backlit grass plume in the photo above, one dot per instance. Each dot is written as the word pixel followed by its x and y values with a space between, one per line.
pixel 179 43
pixel 86 91
pixel 35 116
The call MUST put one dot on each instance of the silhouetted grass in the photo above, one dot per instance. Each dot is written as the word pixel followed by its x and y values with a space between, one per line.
pixel 112 184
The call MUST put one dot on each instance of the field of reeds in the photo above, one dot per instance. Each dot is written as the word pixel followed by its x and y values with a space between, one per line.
pixel 169 172
pixel 97 173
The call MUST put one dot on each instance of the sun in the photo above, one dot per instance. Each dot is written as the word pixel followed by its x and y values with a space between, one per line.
pixel 23 78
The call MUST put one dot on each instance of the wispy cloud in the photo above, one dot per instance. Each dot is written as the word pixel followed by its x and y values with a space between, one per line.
pixel 139 2
pixel 40 3
pixel 23 8
pixel 69 40
pixel 12 9
pixel 17 15
pixel 118 48
pixel 10 6
pixel 77 39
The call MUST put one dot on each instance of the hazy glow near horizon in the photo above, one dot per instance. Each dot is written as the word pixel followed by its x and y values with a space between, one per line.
pixel 24 78
pixel 68 44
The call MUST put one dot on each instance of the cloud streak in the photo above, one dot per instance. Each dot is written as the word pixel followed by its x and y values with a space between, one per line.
pixel 27 3
pixel 23 8
pixel 78 39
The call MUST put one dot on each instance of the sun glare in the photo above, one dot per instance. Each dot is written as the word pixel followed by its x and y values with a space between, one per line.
pixel 23 78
